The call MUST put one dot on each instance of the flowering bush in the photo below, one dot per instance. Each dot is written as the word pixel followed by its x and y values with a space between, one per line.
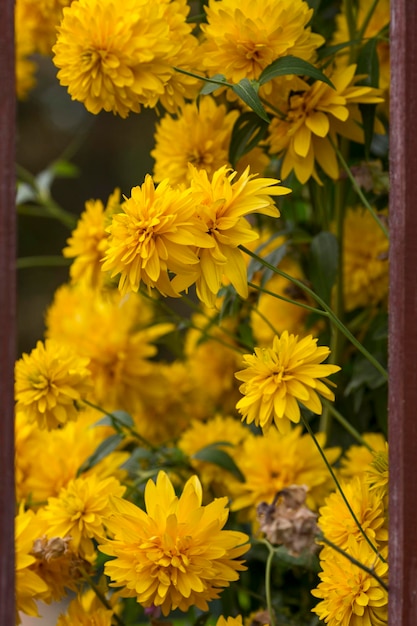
pixel 200 433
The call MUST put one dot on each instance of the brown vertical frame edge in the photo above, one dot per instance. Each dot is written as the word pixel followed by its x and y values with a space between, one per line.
pixel 403 316
pixel 7 310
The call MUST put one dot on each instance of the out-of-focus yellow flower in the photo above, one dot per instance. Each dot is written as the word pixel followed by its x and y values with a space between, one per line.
pixel 365 263
pixel 25 24
pixel 81 511
pixel 245 36
pixel 176 555
pixel 356 460
pixel 221 205
pixel 86 610
pixel 88 241
pixel 312 115
pixel 274 461
pixel 276 379
pixel 114 332
pixel 349 595
pixel 29 586
pixel 48 382
pixel 118 57
pixel 200 135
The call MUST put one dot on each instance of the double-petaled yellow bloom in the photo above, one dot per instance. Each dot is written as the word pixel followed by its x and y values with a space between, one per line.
pixel 177 554
pixel 276 379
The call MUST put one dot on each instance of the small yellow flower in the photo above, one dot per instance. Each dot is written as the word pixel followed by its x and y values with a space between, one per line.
pixel 357 459
pixel 314 114
pixel 48 382
pixel 154 235
pixel 349 595
pixel 80 511
pixel 176 555
pixel 221 205
pixel 86 610
pixel 88 241
pixel 245 36
pixel 277 378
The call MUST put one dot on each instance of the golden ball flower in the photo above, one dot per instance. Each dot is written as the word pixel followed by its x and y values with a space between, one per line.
pixel 177 553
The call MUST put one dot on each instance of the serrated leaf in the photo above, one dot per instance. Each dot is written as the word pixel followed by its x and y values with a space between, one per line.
pixel 213 454
pixel 212 83
pixel 247 90
pixel 324 264
pixel 105 448
pixel 248 130
pixel 292 65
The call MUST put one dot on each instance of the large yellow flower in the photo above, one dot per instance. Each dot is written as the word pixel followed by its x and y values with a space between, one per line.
pixel 277 378
pixel 314 114
pixel 154 235
pixel 349 595
pixel 244 36
pixel 176 555
pixel 118 56
pixel 274 461
pixel 48 382
pixel 221 205
pixel 80 511
pixel 365 262
pixel 88 241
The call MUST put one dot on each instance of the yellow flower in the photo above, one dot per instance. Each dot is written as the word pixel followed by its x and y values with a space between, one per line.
pixel 313 115
pixel 88 241
pixel 117 57
pixel 25 43
pixel 176 555
pixel 45 15
pixel 199 135
pixel 274 461
pixel 349 595
pixel 337 523
pixel 244 36
pixel 114 332
pixel 86 610
pixel 365 264
pixel 221 204
pixel 29 586
pixel 80 511
pixel 377 476
pixel 48 382
pixel 229 433
pixel 154 235
pixel 356 460
pixel 229 621
pixel 277 378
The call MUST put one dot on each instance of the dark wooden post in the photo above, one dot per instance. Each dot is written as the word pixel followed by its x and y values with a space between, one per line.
pixel 7 310
pixel 403 317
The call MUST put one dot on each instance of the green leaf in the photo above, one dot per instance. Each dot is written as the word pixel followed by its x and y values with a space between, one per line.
pixel 324 264
pixel 247 132
pixel 121 417
pixel 65 169
pixel 213 83
pixel 368 63
pixel 213 454
pixel 247 90
pixel 331 50
pixel 292 65
pixel 106 447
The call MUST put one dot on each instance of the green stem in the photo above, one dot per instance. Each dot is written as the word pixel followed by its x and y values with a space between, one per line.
pixel 359 190
pixel 289 300
pixel 335 320
pixel 42 261
pixel 367 19
pixel 339 488
pixel 268 592
pixel 351 24
pixel 216 81
pixel 347 426
pixel 352 559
